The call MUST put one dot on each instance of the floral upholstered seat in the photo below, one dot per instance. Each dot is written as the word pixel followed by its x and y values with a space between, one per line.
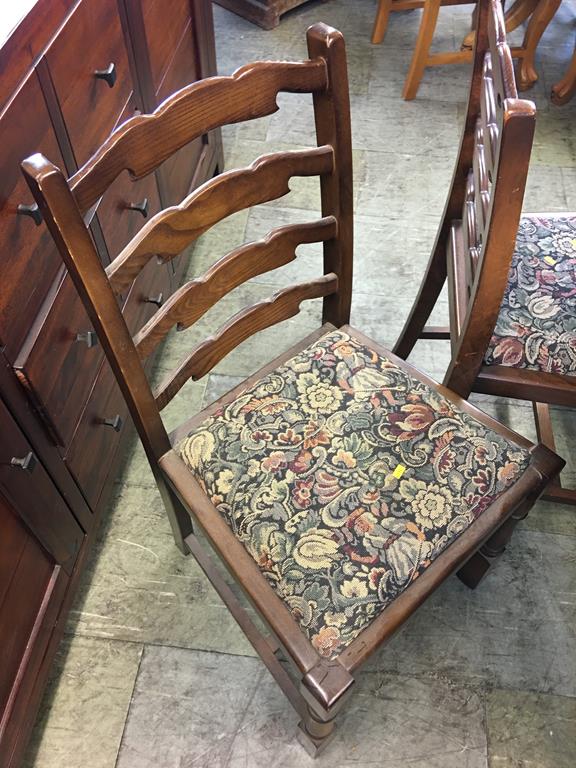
pixel 344 477
pixel 536 327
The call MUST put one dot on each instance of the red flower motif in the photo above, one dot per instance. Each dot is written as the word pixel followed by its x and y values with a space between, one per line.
pixel 303 492
pixel 301 463
pixel 412 419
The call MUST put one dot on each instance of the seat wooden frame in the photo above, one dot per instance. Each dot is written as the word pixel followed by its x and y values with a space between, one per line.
pixel 316 687
pixel 476 239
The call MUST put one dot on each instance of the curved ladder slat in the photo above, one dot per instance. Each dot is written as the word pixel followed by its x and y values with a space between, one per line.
pixel 280 306
pixel 142 143
pixel 170 231
pixel 192 300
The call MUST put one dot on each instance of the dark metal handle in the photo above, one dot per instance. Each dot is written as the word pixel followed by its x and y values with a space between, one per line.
pixel 31 210
pixel 108 74
pixel 27 463
pixel 115 423
pixel 142 207
pixel 158 300
pixel 89 338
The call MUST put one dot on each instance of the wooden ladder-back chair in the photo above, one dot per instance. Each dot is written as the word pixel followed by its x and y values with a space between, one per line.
pixel 511 278
pixel 322 481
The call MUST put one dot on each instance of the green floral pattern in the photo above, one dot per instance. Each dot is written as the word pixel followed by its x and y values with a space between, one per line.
pixel 536 326
pixel 344 477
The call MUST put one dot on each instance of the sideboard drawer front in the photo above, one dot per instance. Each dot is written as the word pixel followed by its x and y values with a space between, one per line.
pixel 163 38
pixel 179 169
pixel 28 570
pixel 30 260
pixel 58 363
pixel 26 483
pixel 120 222
pixel 90 41
pixel 94 444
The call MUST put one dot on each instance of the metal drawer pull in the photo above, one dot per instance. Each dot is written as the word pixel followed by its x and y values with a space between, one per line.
pixel 142 207
pixel 89 338
pixel 27 463
pixel 115 423
pixel 108 74
pixel 31 210
pixel 158 300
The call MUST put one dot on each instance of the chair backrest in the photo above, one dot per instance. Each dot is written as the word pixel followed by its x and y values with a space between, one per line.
pixel 486 195
pixel 140 145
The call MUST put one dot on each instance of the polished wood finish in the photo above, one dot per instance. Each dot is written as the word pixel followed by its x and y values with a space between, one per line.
pixel 477 235
pixel 316 687
pixel 34 262
pixel 59 95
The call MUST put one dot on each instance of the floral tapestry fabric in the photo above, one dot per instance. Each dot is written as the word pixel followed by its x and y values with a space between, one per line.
pixel 536 327
pixel 344 477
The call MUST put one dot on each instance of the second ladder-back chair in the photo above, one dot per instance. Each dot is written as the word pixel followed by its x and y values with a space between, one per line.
pixel 338 485
pixel 511 278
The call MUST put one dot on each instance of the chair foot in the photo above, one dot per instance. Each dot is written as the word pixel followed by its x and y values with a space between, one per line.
pixel 315 735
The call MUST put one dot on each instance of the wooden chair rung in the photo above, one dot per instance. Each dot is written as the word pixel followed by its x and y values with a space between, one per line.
pixel 264 646
pixel 435 332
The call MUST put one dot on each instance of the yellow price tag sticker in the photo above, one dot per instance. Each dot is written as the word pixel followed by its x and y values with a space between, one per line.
pixel 549 260
pixel 399 471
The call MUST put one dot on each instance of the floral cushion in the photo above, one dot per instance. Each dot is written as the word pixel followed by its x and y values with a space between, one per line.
pixel 536 327
pixel 344 477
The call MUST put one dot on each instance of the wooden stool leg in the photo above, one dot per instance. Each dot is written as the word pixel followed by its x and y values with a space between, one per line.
pixel 381 21
pixel 517 14
pixel 564 89
pixel 420 55
pixel 541 17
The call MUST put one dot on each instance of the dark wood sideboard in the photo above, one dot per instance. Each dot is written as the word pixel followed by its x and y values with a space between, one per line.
pixel 70 72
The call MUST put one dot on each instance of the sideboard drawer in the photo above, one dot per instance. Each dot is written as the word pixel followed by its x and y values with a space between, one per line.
pixel 89 43
pixel 24 480
pixel 162 38
pixel 30 261
pixel 125 207
pixel 97 435
pixel 59 361
pixel 149 291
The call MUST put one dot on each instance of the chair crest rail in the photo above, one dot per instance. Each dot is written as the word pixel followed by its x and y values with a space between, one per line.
pixel 192 300
pixel 142 143
pixel 280 306
pixel 170 231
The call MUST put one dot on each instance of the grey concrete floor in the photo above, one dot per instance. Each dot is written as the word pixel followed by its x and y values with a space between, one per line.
pixel 152 670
